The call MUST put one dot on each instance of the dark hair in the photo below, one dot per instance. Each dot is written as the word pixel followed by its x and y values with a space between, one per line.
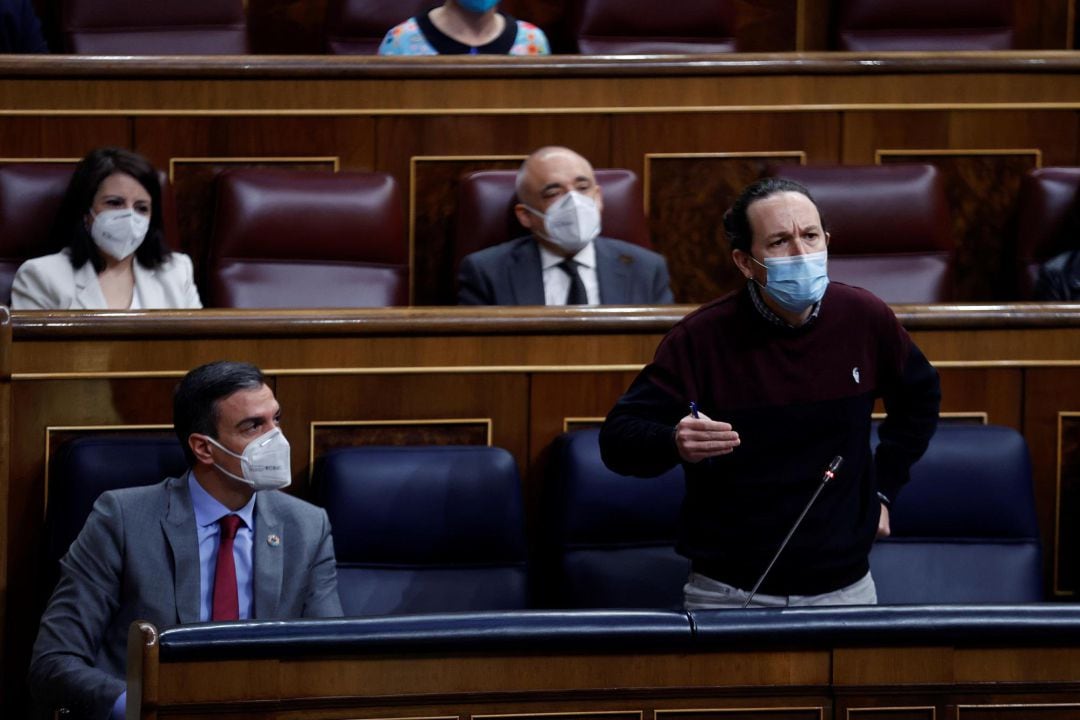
pixel 736 222
pixel 195 401
pixel 69 229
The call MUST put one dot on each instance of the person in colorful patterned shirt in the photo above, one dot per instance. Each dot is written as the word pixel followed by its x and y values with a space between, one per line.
pixel 465 27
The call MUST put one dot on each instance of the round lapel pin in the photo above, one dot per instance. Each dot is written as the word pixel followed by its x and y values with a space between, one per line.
pixel 273 540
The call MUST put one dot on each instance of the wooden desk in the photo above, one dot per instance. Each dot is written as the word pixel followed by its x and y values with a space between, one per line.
pixel 694 128
pixel 488 667
pixel 511 377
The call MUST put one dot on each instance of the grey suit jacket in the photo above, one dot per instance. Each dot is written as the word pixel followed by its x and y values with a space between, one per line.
pixel 510 274
pixel 137 558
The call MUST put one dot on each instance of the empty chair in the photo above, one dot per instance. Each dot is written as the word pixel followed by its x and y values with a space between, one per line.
pixel 308 239
pixel 964 528
pixel 485 212
pixel 883 25
pixel 643 27
pixel 1047 221
pixel 84 468
pixel 425 529
pixel 357 27
pixel 611 539
pixel 890 227
pixel 169 27
pixel 30 195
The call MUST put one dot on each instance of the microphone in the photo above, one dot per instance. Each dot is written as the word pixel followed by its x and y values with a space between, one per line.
pixel 829 474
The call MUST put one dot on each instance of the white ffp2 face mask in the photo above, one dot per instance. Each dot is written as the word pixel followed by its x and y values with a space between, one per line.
pixel 119 233
pixel 264 462
pixel 571 223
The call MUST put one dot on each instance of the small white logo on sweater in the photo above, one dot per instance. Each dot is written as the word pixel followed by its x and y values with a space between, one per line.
pixel 855 374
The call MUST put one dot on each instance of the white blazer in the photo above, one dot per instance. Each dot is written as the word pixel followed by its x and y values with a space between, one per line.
pixel 50 283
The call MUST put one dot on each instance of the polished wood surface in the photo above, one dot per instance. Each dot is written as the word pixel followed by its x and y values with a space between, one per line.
pixel 514 377
pixel 694 128
pixel 822 681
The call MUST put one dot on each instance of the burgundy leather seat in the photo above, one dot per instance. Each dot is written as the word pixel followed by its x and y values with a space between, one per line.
pixel 308 239
pixel 1047 220
pixel 30 195
pixel 643 27
pixel 890 227
pixel 164 27
pixel 883 25
pixel 356 27
pixel 486 199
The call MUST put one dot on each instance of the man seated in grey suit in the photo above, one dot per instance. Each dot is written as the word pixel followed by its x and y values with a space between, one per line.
pixel 219 543
pixel 564 261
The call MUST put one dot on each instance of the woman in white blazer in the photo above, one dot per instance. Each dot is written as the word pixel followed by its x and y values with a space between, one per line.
pixel 114 254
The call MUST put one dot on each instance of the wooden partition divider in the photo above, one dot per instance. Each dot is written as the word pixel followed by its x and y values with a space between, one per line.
pixel 512 377
pixel 695 129
pixel 783 668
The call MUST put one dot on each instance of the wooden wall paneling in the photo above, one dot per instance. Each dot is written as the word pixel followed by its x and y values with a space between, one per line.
pixel 814 25
pixel 983 188
pixel 399 138
pixel 634 136
pixel 435 151
pixel 687 196
pixel 998 392
pixel 434 407
pixel 904 709
pixel 783 712
pixel 41 405
pixel 6 420
pixel 1019 711
pixel 61 137
pixel 1052 438
pixel 984 154
pixel 196 149
pixel 1043 24
pixel 433 197
pixel 1055 133
pixel 768 25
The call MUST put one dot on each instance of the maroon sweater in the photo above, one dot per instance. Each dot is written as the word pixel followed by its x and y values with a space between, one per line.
pixel 797 397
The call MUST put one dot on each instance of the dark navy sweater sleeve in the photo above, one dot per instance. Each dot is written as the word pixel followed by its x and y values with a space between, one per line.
pixel 912 401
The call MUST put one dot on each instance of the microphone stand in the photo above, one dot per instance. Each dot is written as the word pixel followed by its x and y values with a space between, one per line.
pixel 829 474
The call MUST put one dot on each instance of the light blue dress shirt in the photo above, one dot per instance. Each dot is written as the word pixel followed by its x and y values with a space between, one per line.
pixel 208 512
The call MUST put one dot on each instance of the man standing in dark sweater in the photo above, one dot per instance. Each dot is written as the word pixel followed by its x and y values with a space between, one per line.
pixel 785 373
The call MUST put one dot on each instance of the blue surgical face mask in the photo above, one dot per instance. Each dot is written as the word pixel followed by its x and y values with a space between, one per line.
pixel 477 6
pixel 796 282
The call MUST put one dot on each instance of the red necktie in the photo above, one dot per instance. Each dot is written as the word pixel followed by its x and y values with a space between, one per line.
pixel 226 606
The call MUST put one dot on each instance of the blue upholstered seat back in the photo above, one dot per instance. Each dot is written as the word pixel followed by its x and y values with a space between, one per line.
pixel 425 529
pixel 964 528
pixel 612 538
pixel 85 467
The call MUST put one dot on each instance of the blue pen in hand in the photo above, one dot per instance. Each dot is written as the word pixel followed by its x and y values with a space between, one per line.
pixel 693 410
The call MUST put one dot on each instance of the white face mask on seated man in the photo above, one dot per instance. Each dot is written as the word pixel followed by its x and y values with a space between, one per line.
pixel 265 461
pixel 571 223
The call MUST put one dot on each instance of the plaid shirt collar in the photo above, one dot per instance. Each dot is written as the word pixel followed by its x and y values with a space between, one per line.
pixel 767 313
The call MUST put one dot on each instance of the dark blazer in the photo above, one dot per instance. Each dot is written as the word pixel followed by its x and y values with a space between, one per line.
pixel 137 558
pixel 1059 278
pixel 510 274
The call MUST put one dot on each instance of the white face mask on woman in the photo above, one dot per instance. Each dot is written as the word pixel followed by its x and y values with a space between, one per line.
pixel 571 223
pixel 119 233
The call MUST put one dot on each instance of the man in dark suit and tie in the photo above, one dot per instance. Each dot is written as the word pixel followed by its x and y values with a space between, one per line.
pixel 219 543
pixel 564 261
